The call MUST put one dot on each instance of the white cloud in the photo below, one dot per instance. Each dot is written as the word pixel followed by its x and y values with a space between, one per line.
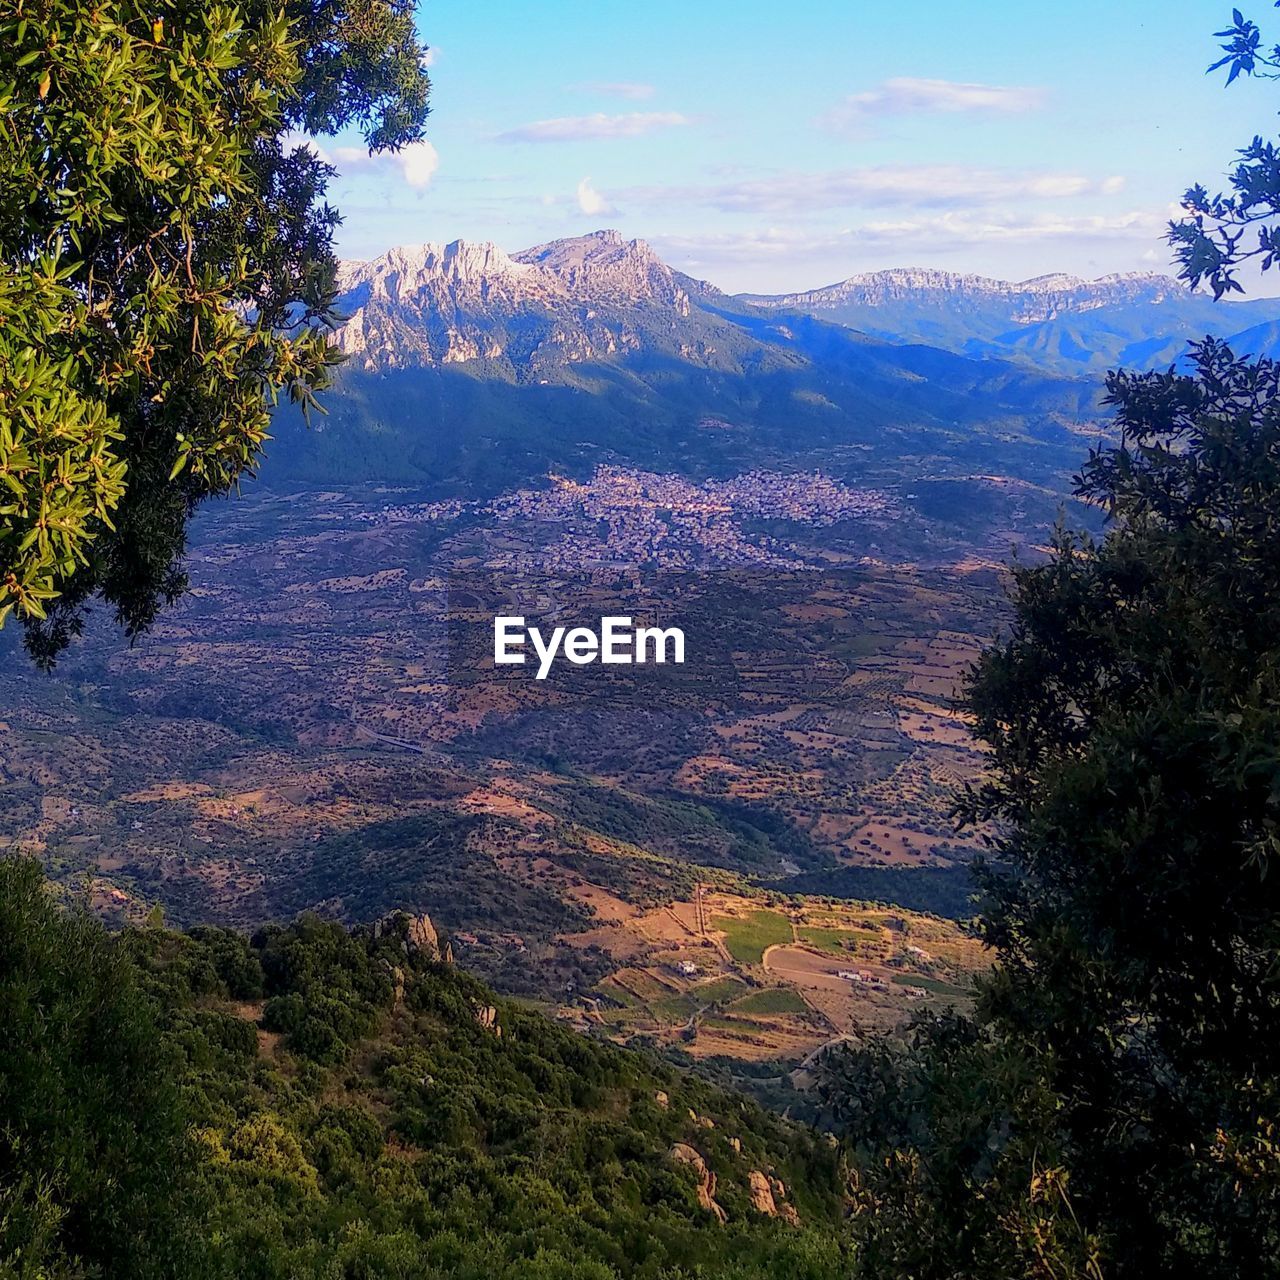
pixel 1112 186
pixel 923 235
pixel 631 124
pixel 429 57
pixel 1053 186
pixel 416 163
pixel 748 246
pixel 629 89
pixel 970 229
pixel 921 186
pixel 906 95
pixel 590 201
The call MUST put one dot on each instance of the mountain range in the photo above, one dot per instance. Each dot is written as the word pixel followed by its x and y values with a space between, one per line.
pixel 1057 322
pixel 600 297
pixel 471 369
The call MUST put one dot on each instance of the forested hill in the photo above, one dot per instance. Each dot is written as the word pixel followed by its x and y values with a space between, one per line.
pixel 314 1102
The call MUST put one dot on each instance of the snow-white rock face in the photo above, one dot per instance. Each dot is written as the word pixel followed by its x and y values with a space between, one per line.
pixel 1028 301
pixel 569 301
pixel 455 273
pixel 603 267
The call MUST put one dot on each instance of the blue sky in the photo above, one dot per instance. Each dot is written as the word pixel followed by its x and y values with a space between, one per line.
pixel 787 145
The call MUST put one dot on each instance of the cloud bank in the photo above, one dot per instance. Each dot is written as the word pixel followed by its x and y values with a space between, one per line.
pixel 632 124
pixel 922 186
pixel 918 236
pixel 905 95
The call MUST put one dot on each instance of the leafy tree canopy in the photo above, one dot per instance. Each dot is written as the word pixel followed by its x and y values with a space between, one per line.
pixel 1112 1107
pixel 1227 229
pixel 166 268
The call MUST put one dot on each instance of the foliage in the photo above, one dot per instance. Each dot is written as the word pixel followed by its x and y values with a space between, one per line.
pixel 369 1123
pixel 93 1145
pixel 166 270
pixel 1120 1080
pixel 947 1128
pixel 1223 231
pixel 1111 1108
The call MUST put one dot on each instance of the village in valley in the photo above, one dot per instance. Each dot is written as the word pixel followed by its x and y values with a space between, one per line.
pixel 670 865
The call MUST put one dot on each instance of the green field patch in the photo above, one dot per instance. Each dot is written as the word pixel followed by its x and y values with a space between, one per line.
pixel 865 644
pixel 680 1008
pixel 619 994
pixel 643 985
pixel 747 937
pixel 775 1000
pixel 833 939
pixel 675 1009
pixel 717 991
pixel 636 1015
pixel 742 1026
pixel 936 985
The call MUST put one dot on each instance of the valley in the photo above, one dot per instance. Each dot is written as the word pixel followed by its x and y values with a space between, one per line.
pixel 296 734
pixel 683 858
pixel 529 752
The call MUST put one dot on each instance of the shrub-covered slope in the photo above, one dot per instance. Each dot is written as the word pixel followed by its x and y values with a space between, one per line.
pixel 318 1102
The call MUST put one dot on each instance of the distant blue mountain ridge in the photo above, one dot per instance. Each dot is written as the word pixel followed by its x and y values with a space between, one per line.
pixel 1057 322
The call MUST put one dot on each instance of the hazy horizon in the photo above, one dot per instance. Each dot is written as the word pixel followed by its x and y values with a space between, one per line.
pixel 773 152
pixel 1264 288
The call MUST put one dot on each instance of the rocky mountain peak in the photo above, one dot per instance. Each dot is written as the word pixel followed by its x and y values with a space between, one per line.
pixel 409 269
pixel 603 266
pixel 568 301
pixel 934 306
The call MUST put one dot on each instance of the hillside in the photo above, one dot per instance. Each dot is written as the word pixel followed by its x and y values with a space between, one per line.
pixel 314 1102
pixel 1059 323
pixel 291 737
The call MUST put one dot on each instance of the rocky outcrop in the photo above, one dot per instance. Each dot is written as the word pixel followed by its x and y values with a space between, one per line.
pixel 769 1196
pixel 683 1153
pixel 418 934
pixel 487 1017
pixel 761 1193
pixel 422 936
